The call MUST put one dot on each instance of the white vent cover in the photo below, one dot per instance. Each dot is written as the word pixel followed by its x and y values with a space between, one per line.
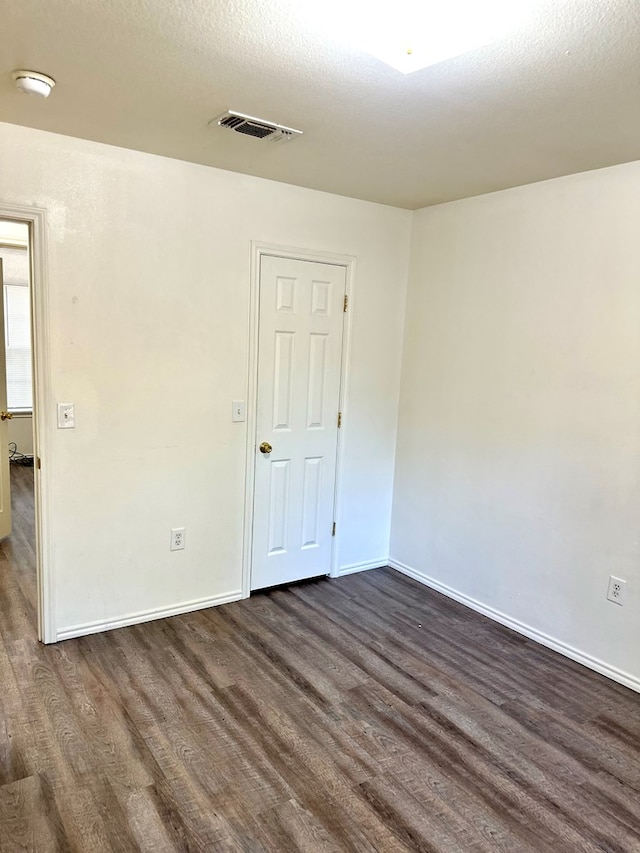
pixel 257 127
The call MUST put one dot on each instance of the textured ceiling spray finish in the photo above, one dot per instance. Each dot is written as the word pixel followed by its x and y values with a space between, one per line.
pixel 562 97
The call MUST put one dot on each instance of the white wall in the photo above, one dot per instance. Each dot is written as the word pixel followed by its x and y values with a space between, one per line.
pixel 21 432
pixel 148 278
pixel 518 463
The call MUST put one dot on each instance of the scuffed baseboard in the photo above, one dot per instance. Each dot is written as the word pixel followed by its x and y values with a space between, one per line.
pixel 146 615
pixel 577 655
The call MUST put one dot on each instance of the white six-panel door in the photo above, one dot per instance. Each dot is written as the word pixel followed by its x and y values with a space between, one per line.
pixel 299 365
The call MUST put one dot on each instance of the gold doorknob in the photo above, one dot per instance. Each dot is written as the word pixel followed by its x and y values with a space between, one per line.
pixel 265 447
pixel 5 416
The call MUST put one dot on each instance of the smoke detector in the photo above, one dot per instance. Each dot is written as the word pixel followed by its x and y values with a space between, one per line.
pixel 259 128
pixel 33 83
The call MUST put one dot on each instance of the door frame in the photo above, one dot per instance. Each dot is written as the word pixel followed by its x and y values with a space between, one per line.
pixel 258 251
pixel 36 219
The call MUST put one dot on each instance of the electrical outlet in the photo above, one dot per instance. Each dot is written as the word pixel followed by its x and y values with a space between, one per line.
pixel 617 590
pixel 177 538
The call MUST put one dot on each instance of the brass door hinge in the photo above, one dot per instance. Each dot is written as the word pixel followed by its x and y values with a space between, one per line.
pixel 38 463
pixel 333 529
pixel 346 302
pixel 339 419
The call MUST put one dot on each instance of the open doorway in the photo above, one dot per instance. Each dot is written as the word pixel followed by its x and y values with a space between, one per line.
pixel 18 545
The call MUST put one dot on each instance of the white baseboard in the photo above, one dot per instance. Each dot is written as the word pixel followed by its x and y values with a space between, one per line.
pixel 362 567
pixel 146 615
pixel 585 659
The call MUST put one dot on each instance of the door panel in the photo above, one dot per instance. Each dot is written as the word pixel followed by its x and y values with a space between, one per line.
pixel 311 498
pixel 299 359
pixel 283 380
pixel 5 483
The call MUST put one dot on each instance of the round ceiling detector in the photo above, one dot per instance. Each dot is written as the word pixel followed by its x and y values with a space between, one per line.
pixel 33 83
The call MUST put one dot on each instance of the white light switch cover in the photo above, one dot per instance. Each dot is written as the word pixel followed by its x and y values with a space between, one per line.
pixel 66 416
pixel 238 414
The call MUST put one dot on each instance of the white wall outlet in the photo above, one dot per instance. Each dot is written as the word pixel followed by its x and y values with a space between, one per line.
pixel 177 538
pixel 66 416
pixel 238 412
pixel 617 590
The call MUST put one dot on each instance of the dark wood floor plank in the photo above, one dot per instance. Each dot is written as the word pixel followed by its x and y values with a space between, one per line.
pixel 291 827
pixel 367 714
pixel 420 824
pixel 28 820
pixel 145 822
pixel 444 794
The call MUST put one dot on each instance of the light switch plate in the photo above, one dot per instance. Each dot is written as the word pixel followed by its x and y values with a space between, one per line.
pixel 66 415
pixel 238 414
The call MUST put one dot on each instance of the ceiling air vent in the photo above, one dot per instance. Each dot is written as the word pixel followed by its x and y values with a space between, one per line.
pixel 257 127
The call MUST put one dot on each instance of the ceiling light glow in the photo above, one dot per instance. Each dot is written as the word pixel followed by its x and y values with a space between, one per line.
pixel 412 34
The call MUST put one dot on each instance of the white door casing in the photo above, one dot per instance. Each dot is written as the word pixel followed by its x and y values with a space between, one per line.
pixel 42 412
pixel 5 483
pixel 298 392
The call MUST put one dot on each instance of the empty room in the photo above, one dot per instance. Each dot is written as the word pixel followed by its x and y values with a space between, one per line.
pixel 320 423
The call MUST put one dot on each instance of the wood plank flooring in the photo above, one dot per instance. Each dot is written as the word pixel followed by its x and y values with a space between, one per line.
pixel 364 714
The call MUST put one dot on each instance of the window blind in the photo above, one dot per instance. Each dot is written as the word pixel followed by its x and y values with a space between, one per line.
pixel 17 328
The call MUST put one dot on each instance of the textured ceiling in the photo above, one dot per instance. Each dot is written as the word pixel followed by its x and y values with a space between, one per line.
pixel 562 95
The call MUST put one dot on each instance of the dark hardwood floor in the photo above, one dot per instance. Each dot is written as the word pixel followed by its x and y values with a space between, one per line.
pixel 364 714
